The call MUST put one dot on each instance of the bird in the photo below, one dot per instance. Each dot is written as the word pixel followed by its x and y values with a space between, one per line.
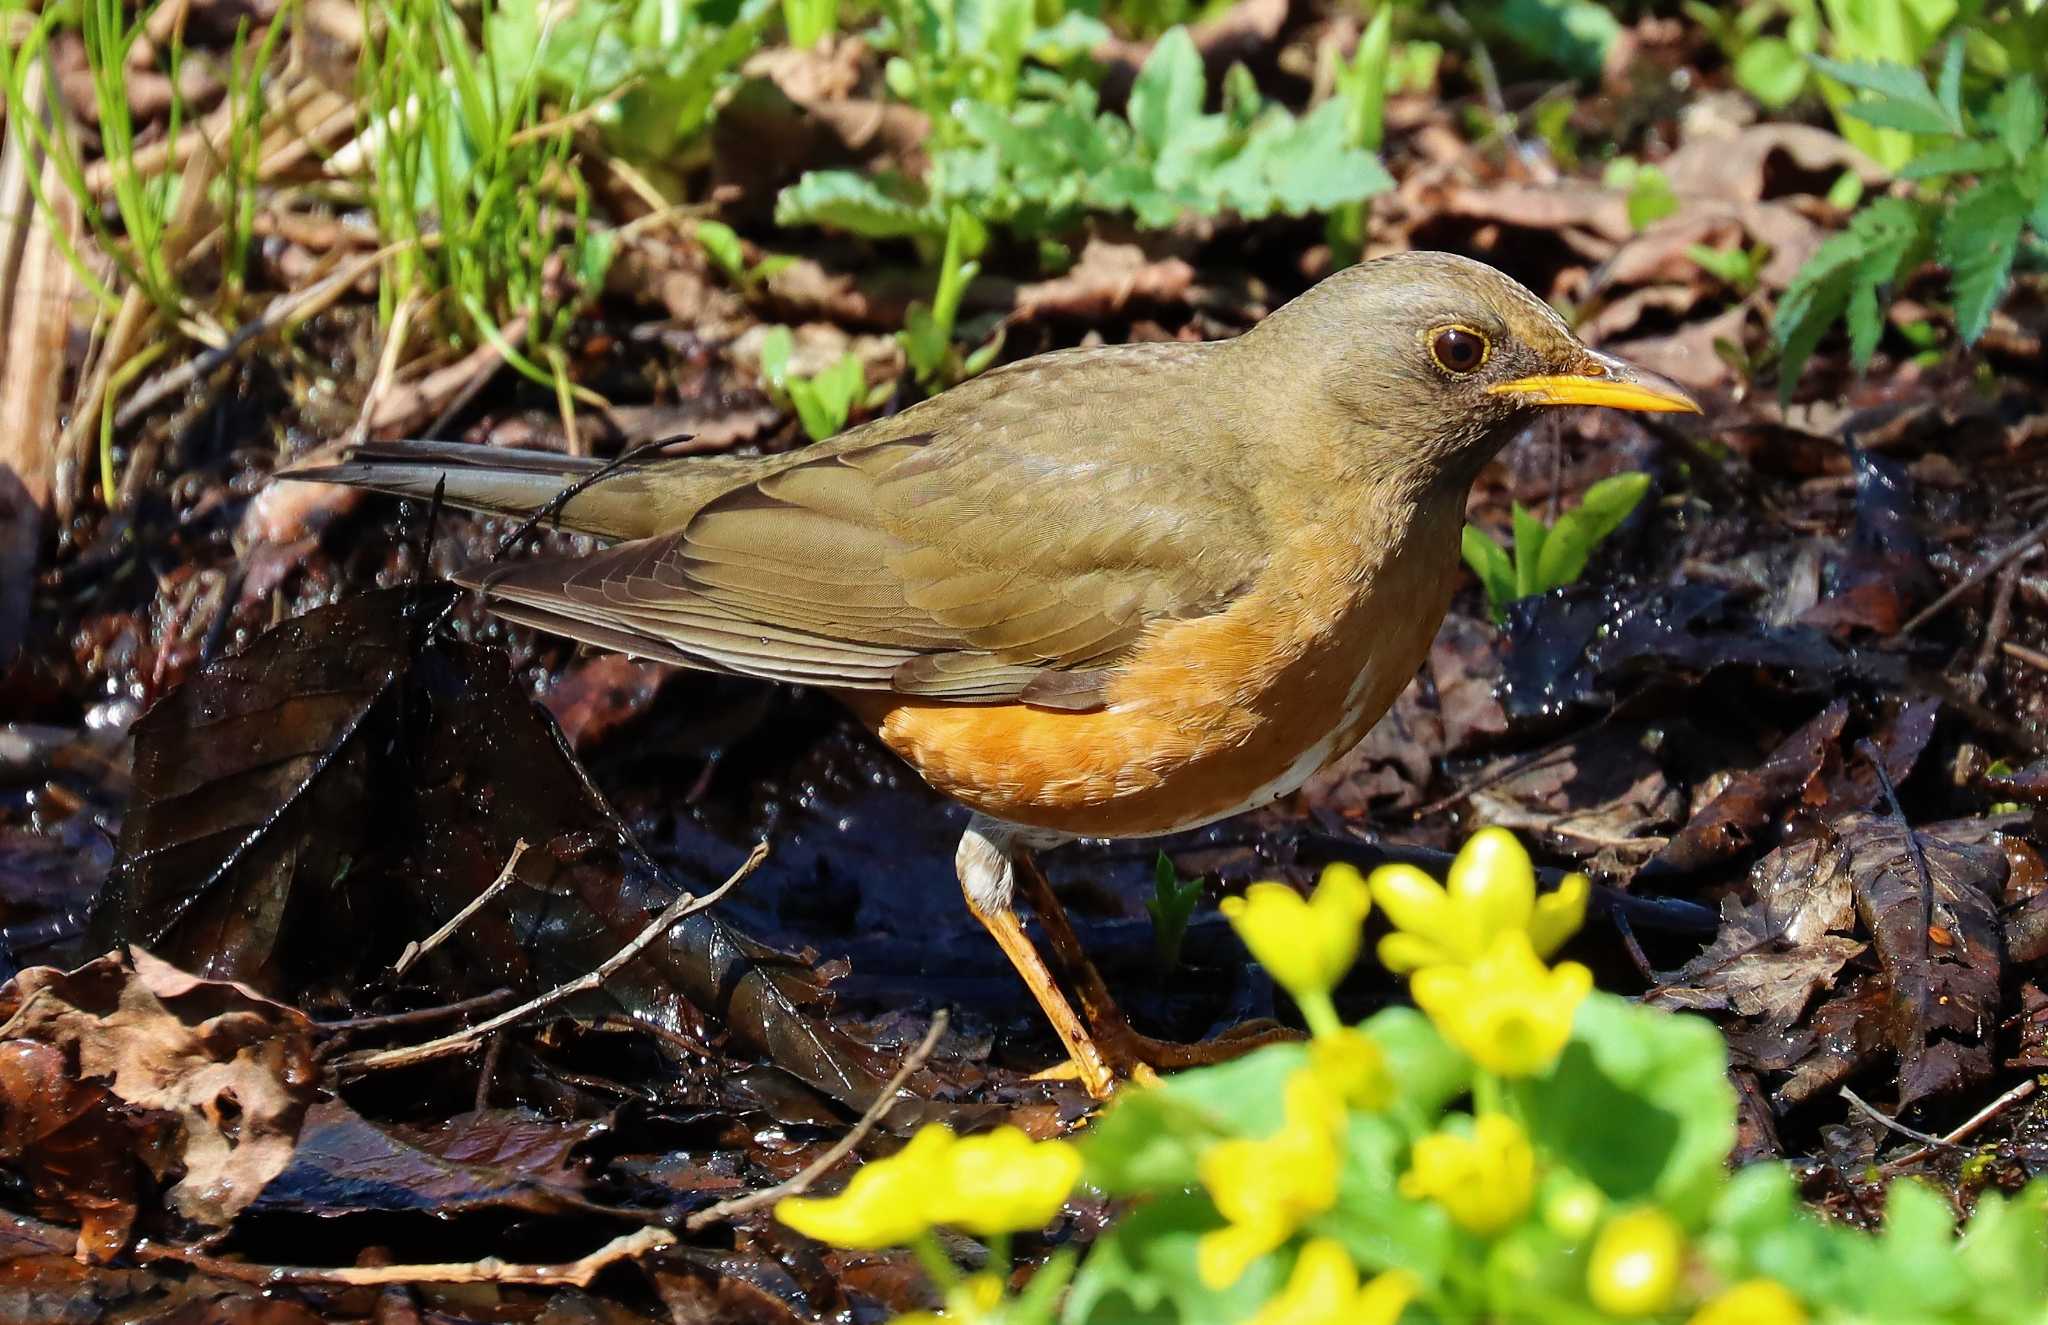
pixel 1104 592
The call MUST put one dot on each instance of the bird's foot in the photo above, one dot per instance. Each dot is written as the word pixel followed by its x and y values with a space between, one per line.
pixel 1130 1052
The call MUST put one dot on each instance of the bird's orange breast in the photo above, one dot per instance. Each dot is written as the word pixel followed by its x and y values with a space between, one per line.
pixel 1207 717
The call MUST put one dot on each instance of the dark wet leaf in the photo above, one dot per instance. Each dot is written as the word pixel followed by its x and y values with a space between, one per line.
pixel 519 1141
pixel 587 889
pixel 346 1164
pixel 1940 950
pixel 352 779
pixel 2029 784
pixel 1582 645
pixel 1734 820
pixel 255 786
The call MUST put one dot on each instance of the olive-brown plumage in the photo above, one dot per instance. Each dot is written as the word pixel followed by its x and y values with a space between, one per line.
pixel 1100 592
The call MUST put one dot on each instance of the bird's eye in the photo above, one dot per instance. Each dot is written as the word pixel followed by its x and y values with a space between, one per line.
pixel 1458 350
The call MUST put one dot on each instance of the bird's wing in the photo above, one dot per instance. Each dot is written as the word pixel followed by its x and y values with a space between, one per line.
pixel 1016 553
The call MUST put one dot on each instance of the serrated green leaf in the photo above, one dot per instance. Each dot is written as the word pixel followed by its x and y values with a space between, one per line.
pixel 1968 157
pixel 859 204
pixel 1978 239
pixel 1903 99
pixel 2020 116
pixel 1949 85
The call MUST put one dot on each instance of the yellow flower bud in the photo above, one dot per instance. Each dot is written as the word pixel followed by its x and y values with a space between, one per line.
pixel 886 1204
pixel 1324 1290
pixel 1636 1264
pixel 1752 1302
pixel 1267 1187
pixel 1354 1067
pixel 1510 1013
pixel 1002 1181
pixel 1485 1181
pixel 1309 944
pixel 1490 890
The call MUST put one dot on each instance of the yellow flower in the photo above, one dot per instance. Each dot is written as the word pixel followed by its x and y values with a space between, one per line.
pixel 1490 890
pixel 1352 1064
pixel 1309 944
pixel 1636 1264
pixel 1509 1012
pixel 886 1204
pixel 1485 1181
pixel 1752 1302
pixel 1002 1181
pixel 1267 1187
pixel 1324 1290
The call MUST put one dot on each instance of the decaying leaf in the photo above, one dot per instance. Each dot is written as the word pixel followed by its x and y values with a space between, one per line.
pixel 227 1074
pixel 1937 940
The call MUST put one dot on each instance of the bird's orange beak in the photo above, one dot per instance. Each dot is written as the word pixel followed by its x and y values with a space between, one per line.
pixel 1604 381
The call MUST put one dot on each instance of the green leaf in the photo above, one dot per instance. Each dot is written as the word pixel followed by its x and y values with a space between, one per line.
pixel 777 345
pixel 1148 1140
pixel 859 204
pixel 1639 1105
pixel 1772 70
pixel 1166 96
pixel 1142 1271
pixel 1731 266
pixel 1381 1228
pixel 2020 116
pixel 722 246
pixel 1529 538
pixel 1574 35
pixel 1577 532
pixel 1903 99
pixel 1968 157
pixel 1429 1071
pixel 1489 561
pixel 1949 84
pixel 1171 905
pixel 1650 198
pixel 1979 237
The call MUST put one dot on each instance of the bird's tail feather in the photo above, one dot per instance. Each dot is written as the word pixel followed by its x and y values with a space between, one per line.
pixel 496 479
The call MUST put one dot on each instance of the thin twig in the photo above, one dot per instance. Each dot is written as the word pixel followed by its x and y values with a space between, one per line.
pixel 1998 561
pixel 385 1021
pixel 819 1167
pixel 414 951
pixel 1893 1124
pixel 684 905
pixel 1965 1129
pixel 2031 657
pixel 490 1270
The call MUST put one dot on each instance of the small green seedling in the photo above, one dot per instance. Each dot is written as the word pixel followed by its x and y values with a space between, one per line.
pixel 927 335
pixel 1546 558
pixel 1172 905
pixel 1650 198
pixel 721 243
pixel 822 403
pixel 1738 268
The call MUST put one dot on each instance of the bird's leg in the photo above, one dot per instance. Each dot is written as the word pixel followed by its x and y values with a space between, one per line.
pixel 988 878
pixel 1125 1045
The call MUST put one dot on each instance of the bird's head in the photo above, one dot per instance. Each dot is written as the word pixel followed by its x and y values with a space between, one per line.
pixel 1434 361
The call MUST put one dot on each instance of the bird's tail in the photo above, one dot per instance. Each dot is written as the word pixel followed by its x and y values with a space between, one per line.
pixel 621 505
